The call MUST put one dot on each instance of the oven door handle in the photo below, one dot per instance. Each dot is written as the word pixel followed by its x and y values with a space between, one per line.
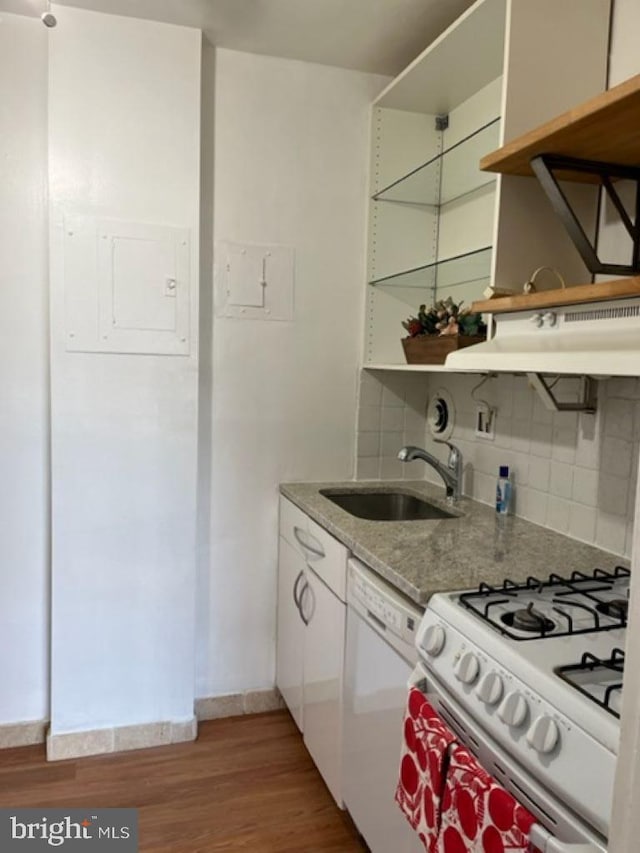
pixel 547 843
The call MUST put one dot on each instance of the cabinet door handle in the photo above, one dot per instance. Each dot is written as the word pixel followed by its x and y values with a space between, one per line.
pixel 307 588
pixel 296 594
pixel 309 543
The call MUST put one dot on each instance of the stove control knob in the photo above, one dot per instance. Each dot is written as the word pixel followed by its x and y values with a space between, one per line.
pixel 543 734
pixel 490 689
pixel 514 709
pixel 433 640
pixel 468 668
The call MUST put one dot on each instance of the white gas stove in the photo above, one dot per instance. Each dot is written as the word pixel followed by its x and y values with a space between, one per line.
pixel 533 674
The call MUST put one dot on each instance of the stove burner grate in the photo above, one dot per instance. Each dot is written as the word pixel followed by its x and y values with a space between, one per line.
pixel 589 663
pixel 616 607
pixel 593 590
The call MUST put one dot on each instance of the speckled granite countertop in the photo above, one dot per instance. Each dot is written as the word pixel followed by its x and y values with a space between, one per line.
pixel 423 557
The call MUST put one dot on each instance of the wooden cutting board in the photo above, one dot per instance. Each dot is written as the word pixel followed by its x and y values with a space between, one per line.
pixel 619 288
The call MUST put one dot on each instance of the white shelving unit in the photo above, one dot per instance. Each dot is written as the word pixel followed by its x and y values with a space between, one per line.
pixel 440 227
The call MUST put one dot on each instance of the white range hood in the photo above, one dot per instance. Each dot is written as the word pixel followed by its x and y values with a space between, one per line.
pixel 593 337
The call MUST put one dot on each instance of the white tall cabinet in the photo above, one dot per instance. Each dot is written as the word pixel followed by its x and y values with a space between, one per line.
pixel 439 227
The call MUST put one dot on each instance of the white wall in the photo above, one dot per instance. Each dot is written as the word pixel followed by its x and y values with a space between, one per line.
pixel 124 137
pixel 290 168
pixel 624 61
pixel 24 505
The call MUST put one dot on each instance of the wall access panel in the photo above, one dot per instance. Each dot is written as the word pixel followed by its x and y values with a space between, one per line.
pixel 127 287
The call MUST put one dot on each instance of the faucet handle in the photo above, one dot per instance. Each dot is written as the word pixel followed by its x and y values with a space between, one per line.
pixel 455 456
pixel 452 448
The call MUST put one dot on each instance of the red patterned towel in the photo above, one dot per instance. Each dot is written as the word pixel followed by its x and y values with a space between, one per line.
pixel 478 815
pixel 422 768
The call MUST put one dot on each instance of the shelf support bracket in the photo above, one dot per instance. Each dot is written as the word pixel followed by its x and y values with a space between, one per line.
pixel 545 166
pixel 586 403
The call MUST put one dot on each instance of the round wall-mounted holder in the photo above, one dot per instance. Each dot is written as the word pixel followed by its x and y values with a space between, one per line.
pixel 441 415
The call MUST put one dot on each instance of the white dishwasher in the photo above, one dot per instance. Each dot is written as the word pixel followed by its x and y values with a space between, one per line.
pixel 380 656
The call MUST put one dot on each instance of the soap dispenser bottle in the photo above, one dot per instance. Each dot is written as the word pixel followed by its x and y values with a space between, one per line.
pixel 503 491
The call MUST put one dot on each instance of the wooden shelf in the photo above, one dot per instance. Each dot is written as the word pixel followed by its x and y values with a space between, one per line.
pixel 604 128
pixel 620 288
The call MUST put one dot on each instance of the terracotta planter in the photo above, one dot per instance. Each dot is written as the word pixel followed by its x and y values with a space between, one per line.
pixel 433 349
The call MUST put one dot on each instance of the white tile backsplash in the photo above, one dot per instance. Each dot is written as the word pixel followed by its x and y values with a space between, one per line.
pixel 369 419
pixel 481 486
pixel 392 419
pixel 561 480
pixel 585 486
pixel 392 469
pixel 558 514
pixel 391 444
pixel 618 422
pixel 393 395
pixel 611 531
pixel 369 444
pixel 582 522
pixel 522 401
pixel 564 443
pixel 520 435
pixel 623 386
pixel 588 441
pixel 616 456
pixel 612 494
pixel 539 474
pixel 368 468
pixel 531 504
pixel 541 415
pixel 574 473
pixel 370 390
pixel 541 436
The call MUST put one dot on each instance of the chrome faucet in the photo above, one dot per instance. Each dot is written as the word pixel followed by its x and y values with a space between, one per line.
pixel 451 473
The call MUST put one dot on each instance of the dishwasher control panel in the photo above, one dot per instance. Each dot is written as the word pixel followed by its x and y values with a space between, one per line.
pixel 384 605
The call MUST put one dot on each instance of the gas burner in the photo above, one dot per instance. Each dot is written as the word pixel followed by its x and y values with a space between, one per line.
pixel 528 619
pixel 559 606
pixel 616 607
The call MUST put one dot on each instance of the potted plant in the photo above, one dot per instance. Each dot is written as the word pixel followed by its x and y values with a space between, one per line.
pixel 441 329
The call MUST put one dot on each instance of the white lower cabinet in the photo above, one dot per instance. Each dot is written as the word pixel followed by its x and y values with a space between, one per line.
pixel 290 637
pixel 323 664
pixel 311 634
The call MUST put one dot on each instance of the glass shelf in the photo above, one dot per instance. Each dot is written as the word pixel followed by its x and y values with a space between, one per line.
pixel 449 175
pixel 446 273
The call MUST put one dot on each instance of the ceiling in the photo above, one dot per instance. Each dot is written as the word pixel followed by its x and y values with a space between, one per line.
pixel 379 36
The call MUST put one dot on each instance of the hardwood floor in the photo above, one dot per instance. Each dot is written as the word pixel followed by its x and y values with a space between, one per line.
pixel 246 784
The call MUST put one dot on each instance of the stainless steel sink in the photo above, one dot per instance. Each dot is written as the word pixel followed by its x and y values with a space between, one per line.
pixel 385 506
